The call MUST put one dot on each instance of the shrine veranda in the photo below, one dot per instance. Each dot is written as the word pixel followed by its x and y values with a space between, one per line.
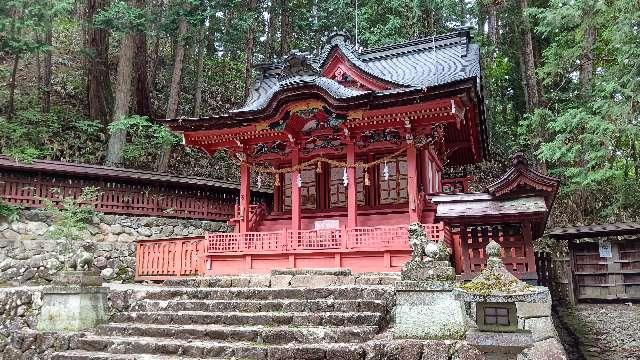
pixel 356 146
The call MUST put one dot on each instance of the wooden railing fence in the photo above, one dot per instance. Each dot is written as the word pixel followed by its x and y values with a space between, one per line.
pixel 555 273
pixel 165 259
pixel 120 191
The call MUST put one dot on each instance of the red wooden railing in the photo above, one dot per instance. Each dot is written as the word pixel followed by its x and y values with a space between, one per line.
pixel 163 259
pixel 361 238
pixel 121 191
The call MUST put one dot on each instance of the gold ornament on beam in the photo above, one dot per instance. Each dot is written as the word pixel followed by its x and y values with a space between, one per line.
pixel 319 167
pixel 366 178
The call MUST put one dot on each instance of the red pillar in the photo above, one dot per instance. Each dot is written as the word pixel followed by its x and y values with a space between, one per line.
pixel 244 197
pixel 412 183
pixel 295 191
pixel 352 211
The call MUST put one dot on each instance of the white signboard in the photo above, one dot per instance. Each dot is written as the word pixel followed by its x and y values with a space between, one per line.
pixel 605 249
pixel 326 224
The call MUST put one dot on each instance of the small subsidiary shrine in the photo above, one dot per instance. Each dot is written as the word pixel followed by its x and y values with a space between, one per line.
pixel 356 145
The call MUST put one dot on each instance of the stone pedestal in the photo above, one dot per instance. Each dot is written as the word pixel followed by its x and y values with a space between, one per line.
pixel 428 310
pixel 500 346
pixel 76 302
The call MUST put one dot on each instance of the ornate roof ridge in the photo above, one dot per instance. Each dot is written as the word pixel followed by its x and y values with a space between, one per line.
pixel 522 175
pixel 461 36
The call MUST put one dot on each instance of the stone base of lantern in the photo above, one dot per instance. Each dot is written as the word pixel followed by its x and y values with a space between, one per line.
pixel 428 310
pixel 77 305
pixel 500 346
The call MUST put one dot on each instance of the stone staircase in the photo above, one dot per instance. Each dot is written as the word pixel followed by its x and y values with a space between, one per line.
pixel 186 322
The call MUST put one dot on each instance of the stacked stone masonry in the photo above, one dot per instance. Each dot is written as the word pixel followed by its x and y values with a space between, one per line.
pixel 29 256
pixel 284 316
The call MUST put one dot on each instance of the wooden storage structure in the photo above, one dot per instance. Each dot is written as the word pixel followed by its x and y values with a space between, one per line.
pixel 596 277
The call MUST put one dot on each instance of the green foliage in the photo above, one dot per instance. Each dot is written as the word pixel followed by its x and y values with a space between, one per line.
pixel 591 131
pixel 146 139
pixel 71 215
pixel 31 134
pixel 9 212
pixel 122 18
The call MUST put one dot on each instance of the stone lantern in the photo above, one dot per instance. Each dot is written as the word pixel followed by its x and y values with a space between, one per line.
pixel 495 293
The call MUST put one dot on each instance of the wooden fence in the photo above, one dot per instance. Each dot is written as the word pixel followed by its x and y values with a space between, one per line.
pixel 165 259
pixel 121 191
pixel 555 273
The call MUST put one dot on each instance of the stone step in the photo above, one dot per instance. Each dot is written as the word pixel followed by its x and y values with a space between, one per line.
pixel 261 305
pixel 256 318
pixel 220 349
pixel 258 334
pixel 288 278
pixel 373 292
pixel 94 355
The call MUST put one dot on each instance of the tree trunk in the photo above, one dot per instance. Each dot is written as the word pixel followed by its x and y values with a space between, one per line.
pixel 586 56
pixel 285 28
pixel 271 28
pixel 37 40
pixel 202 46
pixel 248 50
pixel 529 80
pixel 12 87
pixel 143 100
pixel 46 76
pixel 156 64
pixel 98 80
pixel 123 91
pixel 492 24
pixel 174 92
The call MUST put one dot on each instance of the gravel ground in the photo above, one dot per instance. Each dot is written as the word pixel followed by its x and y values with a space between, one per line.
pixel 606 331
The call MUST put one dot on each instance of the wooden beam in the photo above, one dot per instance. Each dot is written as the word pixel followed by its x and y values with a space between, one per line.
pixel 352 211
pixel 412 183
pixel 245 195
pixel 295 191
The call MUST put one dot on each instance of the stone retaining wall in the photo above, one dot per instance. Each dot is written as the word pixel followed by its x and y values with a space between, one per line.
pixel 37 262
pixel 29 256
pixel 36 225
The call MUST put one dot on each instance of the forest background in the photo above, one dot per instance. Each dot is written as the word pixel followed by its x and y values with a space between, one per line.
pixel 81 79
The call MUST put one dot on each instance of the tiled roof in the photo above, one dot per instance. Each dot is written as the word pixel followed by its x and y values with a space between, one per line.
pixel 482 204
pixel 595 230
pixel 108 172
pixel 413 64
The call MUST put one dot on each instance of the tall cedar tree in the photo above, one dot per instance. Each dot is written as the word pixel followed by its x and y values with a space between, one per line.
pixel 174 91
pixel 99 96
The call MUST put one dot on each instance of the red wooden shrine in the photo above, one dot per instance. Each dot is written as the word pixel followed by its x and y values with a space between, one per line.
pixel 355 145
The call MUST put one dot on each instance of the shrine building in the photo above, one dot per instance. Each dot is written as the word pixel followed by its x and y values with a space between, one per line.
pixel 357 144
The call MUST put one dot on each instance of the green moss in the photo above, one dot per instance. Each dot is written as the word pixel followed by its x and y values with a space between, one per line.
pixel 494 283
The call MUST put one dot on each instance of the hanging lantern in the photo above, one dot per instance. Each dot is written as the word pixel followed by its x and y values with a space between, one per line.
pixel 259 181
pixel 276 180
pixel 345 178
pixel 299 180
pixel 385 172
pixel 319 168
pixel 366 178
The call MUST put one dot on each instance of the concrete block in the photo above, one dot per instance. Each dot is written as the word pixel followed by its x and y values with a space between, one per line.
pixel 549 349
pixel 72 308
pixel 541 328
pixel 428 314
pixel 280 281
pixel 533 310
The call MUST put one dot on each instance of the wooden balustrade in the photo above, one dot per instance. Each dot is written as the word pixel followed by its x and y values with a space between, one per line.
pixel 360 238
pixel 121 191
pixel 168 258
